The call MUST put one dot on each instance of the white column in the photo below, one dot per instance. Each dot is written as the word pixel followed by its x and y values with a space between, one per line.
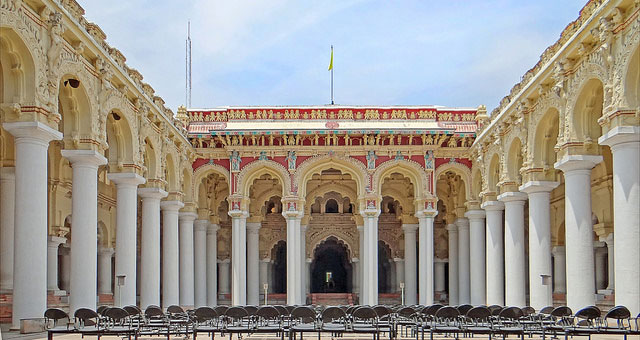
pixel 453 264
pixel 104 270
pixel 495 253
pixel 625 147
pixel 65 266
pixel 294 293
pixel 410 277
pixel 253 247
pixel 223 268
pixel 540 295
pixel 170 269
pixel 361 265
pixel 53 245
pixel 355 265
pixel 212 265
pixel 186 285
pixel 477 260
pixel 7 213
pixel 264 277
pixel 610 262
pixel 464 286
pixel 30 231
pixel 600 258
pixel 238 257
pixel 84 217
pixel 303 264
pixel 559 269
pixel 438 274
pixel 579 229
pixel 425 255
pixel 370 257
pixel 150 246
pixel 307 280
pixel 400 273
pixel 514 264
pixel 126 235
pixel 200 262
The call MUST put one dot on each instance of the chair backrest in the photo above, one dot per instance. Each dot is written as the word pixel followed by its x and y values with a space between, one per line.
pixel 290 308
pixel 55 314
pixel 175 309
pixel 332 314
pixel 251 310
pixel 236 312
pixel 221 310
pixel 546 310
pixel 528 310
pixel 205 314
pixel 512 313
pixel 588 313
pixel 304 314
pixel 153 311
pixel 382 310
pixel 463 309
pixel 267 313
pixel 102 309
pixel 618 313
pixel 132 310
pixel 406 312
pixel 365 313
pixel 116 314
pixel 431 310
pixel 561 311
pixel 478 313
pixel 447 313
pixel 86 316
pixel 282 310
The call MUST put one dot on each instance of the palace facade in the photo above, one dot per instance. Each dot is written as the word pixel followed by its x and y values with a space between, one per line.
pixel 108 197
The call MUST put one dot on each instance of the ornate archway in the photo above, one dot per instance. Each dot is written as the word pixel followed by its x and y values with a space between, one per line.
pixel 331 270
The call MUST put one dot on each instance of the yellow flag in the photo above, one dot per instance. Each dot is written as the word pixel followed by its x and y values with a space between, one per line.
pixel 331 62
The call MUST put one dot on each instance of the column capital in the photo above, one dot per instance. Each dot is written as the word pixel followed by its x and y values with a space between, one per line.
pixel 476 214
pixel 171 205
pixel 253 227
pixel 55 241
pixel 607 239
pixel 35 131
pixel 264 260
pixel 409 228
pixel 620 135
pixel 201 225
pixel 538 186
pixel 224 261
pixel 187 216
pixel 238 214
pixel 426 213
pixel 213 228
pixel 155 193
pixel 89 158
pixel 126 178
pixel 577 162
pixel 397 259
pixel 452 228
pixel 437 259
pixel 558 250
pixel 355 259
pixel 513 196
pixel 492 205
pixel 105 251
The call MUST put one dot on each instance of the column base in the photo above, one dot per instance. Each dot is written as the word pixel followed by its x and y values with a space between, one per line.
pixel 57 292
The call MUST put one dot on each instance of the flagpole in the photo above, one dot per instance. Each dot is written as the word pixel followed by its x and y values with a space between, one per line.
pixel 332 75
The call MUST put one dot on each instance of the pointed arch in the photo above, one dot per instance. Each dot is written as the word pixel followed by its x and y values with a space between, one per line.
pixel 258 168
pixel 462 170
pixel 409 169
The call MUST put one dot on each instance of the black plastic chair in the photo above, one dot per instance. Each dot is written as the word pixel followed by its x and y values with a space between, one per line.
pixel 237 321
pixel 302 319
pixel 334 320
pixel 447 321
pixel 619 314
pixel 478 321
pixel 509 322
pixel 365 321
pixel 53 316
pixel 206 321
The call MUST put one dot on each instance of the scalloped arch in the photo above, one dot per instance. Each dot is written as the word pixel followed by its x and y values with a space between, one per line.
pixel 407 168
pixel 318 163
pixel 204 170
pixel 460 169
pixel 257 168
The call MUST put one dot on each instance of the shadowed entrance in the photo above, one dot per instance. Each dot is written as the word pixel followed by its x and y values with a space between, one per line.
pixel 331 271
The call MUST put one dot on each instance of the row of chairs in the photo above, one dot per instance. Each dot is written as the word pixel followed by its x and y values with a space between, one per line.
pixel 292 321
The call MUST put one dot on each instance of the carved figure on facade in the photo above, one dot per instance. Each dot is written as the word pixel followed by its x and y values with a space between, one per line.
pixel 371 160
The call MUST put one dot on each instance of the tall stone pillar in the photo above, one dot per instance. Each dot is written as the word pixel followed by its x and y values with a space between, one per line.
pixel 410 277
pixel 65 267
pixel 294 260
pixel 370 258
pixel 105 275
pixel 579 229
pixel 126 235
pixel 425 256
pixel 477 259
pixel 515 270
pixel 600 258
pixel 264 277
pixel 495 253
pixel 610 262
pixel 400 273
pixel 238 257
pixel 303 264
pixel 361 265
pixel 540 295
pixel 439 275
pixel 453 264
pixel 307 274
pixel 464 286
pixel 625 147
pixel 355 265
pixel 150 246
pixel 223 268
pixel 30 221
pixel 253 247
pixel 186 286
pixel 200 262
pixel 84 217
pixel 53 245
pixel 559 270
pixel 7 213
pixel 170 254
pixel 212 264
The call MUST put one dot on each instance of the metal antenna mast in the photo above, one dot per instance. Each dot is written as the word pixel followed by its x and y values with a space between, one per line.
pixel 187 95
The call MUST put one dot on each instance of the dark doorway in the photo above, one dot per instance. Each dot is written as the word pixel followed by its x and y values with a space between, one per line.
pixel 280 268
pixel 330 270
pixel 384 268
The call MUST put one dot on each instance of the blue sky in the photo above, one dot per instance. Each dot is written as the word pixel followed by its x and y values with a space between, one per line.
pixel 276 52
